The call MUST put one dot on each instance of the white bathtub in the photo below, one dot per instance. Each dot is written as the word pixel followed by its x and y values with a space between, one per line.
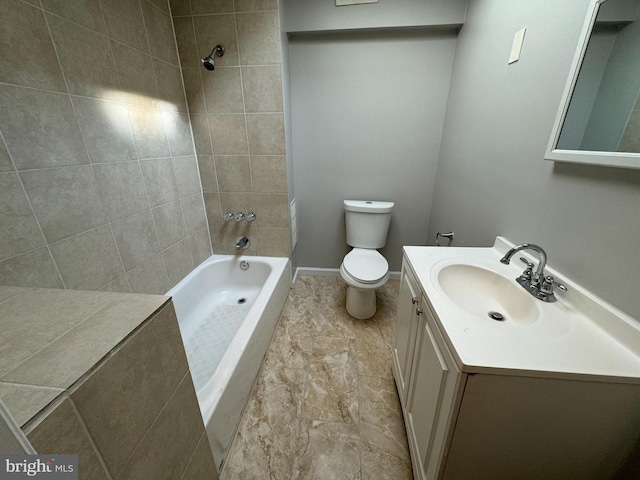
pixel 227 319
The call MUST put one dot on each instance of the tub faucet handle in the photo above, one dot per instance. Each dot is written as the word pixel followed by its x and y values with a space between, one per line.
pixel 228 216
pixel 242 243
pixel 251 217
pixel 239 216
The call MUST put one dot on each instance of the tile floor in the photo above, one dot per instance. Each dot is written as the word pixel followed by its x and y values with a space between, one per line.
pixel 325 405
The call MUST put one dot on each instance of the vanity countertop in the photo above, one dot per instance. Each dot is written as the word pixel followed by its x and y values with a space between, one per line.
pixel 51 338
pixel 586 338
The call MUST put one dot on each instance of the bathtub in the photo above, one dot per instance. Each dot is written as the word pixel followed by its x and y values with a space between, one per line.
pixel 227 317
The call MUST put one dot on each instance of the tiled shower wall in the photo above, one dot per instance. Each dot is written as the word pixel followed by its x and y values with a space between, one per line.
pixel 99 184
pixel 237 118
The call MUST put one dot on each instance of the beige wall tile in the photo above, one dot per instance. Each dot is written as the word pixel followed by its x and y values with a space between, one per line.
pixel 180 7
pixel 187 178
pixel 200 246
pixel 201 134
pixel 40 129
pixel 162 4
pixel 25 401
pixel 159 180
pixel 31 269
pixel 170 89
pixel 62 432
pixel 136 239
pixel 274 241
pixel 208 177
pixel 86 73
pixel 206 7
pixel 61 363
pixel 170 225
pixel 180 421
pixel 255 5
pixel 271 209
pixel 135 72
pixel 84 12
pixel 262 88
pixel 201 464
pixel 212 30
pixel 223 90
pixel 159 33
pixel 65 200
pixel 121 189
pixel 213 208
pixel 149 132
pixel 236 202
pixel 20 231
pixel 228 134
pixel 121 399
pixel 89 260
pixel 234 173
pixel 149 277
pixel 186 42
pixel 106 130
pixel 120 284
pixel 193 89
pixel 28 34
pixel 223 238
pixel 124 23
pixel 24 332
pixel 269 174
pixel 179 133
pixel 178 261
pixel 258 38
pixel 266 134
pixel 6 165
pixel 194 215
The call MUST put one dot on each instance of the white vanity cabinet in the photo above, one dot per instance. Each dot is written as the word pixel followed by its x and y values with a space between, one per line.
pixel 478 421
pixel 427 377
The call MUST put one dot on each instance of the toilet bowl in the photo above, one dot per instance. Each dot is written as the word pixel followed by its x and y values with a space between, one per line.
pixel 364 269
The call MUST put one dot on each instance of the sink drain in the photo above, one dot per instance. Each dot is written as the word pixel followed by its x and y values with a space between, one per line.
pixel 241 301
pixel 496 316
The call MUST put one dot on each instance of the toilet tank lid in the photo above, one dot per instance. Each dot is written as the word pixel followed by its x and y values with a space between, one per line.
pixel 368 206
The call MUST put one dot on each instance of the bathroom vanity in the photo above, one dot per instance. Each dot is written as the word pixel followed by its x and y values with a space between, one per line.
pixel 549 390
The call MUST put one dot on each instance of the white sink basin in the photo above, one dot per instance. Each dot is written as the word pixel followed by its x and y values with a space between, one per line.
pixel 487 294
pixel 579 334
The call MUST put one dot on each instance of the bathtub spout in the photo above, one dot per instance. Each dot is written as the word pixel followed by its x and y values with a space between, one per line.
pixel 242 243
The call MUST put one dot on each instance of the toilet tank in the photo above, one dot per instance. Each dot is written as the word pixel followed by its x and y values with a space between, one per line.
pixel 367 223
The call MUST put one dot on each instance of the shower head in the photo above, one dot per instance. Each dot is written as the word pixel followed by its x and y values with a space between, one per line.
pixel 208 62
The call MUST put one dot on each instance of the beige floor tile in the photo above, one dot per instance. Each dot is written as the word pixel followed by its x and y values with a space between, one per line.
pixel 325 405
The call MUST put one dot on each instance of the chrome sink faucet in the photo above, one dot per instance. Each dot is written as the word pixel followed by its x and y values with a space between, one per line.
pixel 536 283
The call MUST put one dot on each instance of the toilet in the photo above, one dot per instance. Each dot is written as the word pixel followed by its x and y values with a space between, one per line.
pixel 364 269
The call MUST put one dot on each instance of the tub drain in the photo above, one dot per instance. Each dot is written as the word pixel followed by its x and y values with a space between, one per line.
pixel 241 301
pixel 496 316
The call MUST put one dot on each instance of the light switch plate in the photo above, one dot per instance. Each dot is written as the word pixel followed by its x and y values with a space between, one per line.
pixel 516 46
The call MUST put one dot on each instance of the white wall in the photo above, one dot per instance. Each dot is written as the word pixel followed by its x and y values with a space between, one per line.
pixel 492 179
pixel 367 113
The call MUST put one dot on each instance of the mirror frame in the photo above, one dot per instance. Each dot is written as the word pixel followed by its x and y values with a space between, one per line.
pixel 608 159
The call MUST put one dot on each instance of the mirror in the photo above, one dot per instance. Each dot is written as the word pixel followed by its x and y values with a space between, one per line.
pixel 599 117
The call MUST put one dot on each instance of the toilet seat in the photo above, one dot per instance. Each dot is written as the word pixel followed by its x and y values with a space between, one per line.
pixel 365 265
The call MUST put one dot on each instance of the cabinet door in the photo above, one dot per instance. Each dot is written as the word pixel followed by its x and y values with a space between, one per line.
pixel 406 330
pixel 432 396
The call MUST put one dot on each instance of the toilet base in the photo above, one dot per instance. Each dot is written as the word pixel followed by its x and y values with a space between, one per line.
pixel 361 304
